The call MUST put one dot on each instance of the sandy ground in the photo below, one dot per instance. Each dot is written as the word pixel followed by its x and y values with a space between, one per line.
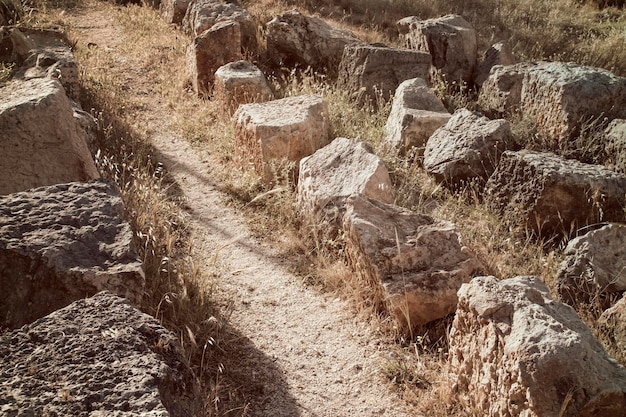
pixel 303 352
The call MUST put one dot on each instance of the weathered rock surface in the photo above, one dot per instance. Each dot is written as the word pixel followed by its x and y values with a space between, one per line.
pixel 467 148
pixel 514 351
pixel 451 41
pixel 415 115
pixel 15 47
pixel 213 48
pixel 241 82
pixel 51 57
pixel 615 144
pixel 498 54
pixel 549 194
pixel 286 129
pixel 613 321
pixel 61 243
pixel 201 15
pixel 335 172
pixel 42 144
pixel 594 265
pixel 558 96
pixel 295 39
pixel 420 262
pixel 376 70
pixel 98 356
pixel 173 11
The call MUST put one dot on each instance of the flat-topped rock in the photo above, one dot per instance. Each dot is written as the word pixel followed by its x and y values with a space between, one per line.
pixel 335 172
pixel 96 357
pixel 288 129
pixel 552 195
pixel 241 82
pixel 42 143
pixel 514 351
pixel 558 96
pixel 415 263
pixel 451 41
pixel 377 71
pixel 61 243
pixel 295 39
pixel 467 148
pixel 416 113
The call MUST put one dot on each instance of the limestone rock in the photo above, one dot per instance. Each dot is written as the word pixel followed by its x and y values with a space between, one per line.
pixel 594 265
pixel 213 48
pixel 287 129
pixel 201 15
pixel 420 262
pixel 42 144
pixel 498 54
pixel 61 243
pixel 558 96
pixel 514 351
pixel 451 41
pixel 415 115
pixel 295 39
pixel 375 70
pixel 241 82
pixel 173 11
pixel 552 195
pixel 613 321
pixel 467 148
pixel 335 172
pixel 615 144
pixel 98 356
pixel 15 47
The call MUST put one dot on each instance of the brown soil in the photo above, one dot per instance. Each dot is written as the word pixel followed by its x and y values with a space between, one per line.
pixel 301 353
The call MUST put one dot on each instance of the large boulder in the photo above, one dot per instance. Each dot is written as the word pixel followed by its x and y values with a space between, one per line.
pixel 241 82
pixel 415 115
pixel 288 129
pixel 498 54
pixel 377 71
pixel 335 172
pixel 451 41
pixel 173 11
pixel 295 39
pixel 514 351
pixel 96 357
pixel 615 144
pixel 61 243
pixel 213 48
pixel 594 265
pixel 201 15
pixel 42 143
pixel 419 262
pixel 552 195
pixel 559 97
pixel 467 148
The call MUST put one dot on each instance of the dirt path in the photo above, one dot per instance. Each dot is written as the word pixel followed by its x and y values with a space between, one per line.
pixel 303 352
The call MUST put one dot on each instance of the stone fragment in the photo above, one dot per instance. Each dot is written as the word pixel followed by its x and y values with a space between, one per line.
pixel 559 97
pixel 451 41
pixel 498 54
pixel 295 39
pixel 420 262
pixel 241 82
pixel 552 195
pixel 378 71
pixel 615 144
pixel 613 322
pixel 14 46
pixel 96 357
pixel 42 144
pixel 514 351
pixel 467 148
pixel 415 115
pixel 173 11
pixel 594 265
pixel 61 243
pixel 287 129
pixel 213 48
pixel 335 172
pixel 201 15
